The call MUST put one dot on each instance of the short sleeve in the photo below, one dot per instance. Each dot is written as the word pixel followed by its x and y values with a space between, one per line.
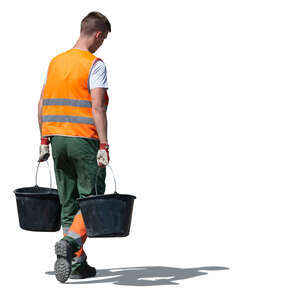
pixel 98 76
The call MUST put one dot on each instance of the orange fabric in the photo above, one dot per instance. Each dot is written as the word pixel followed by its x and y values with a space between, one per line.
pixel 67 78
pixel 81 251
pixel 71 129
pixel 67 110
pixel 78 227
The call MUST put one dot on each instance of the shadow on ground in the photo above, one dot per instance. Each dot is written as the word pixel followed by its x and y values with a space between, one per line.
pixel 144 276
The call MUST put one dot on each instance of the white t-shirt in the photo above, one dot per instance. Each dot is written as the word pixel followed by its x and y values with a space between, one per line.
pixel 98 77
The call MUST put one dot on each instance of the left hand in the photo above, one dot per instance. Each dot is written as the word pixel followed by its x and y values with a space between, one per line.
pixel 44 150
pixel 103 155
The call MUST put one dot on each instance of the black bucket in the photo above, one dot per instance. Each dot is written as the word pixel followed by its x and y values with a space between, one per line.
pixel 38 207
pixel 107 215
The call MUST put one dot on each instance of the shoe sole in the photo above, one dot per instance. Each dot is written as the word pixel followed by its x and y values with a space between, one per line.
pixel 62 266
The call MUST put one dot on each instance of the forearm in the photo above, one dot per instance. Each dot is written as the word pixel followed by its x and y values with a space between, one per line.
pixel 40 107
pixel 100 120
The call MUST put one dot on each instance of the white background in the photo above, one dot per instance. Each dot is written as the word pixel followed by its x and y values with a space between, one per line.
pixel 203 129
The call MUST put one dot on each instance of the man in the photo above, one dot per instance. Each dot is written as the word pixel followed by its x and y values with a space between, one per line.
pixel 72 117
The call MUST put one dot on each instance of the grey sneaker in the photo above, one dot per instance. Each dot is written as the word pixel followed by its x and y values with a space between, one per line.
pixel 83 271
pixel 62 267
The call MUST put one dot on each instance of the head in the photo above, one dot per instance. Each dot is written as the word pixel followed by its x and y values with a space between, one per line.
pixel 94 29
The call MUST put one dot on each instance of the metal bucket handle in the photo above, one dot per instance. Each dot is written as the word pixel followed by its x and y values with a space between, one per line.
pixel 36 173
pixel 97 180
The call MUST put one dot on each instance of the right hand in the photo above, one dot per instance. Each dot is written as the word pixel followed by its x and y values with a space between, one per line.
pixel 103 155
pixel 44 150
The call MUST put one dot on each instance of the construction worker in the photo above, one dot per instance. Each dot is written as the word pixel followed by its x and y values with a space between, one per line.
pixel 72 118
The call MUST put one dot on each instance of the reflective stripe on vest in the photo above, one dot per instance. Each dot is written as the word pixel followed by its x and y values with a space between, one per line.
pixel 67 102
pixel 69 119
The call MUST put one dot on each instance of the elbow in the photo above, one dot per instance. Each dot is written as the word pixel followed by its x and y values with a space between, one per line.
pixel 40 102
pixel 99 110
pixel 40 106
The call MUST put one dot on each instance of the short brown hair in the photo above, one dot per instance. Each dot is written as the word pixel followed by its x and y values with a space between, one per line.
pixel 94 21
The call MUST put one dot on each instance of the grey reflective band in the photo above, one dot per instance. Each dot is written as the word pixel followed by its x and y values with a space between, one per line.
pixel 67 102
pixel 79 212
pixel 65 230
pixel 76 237
pixel 69 119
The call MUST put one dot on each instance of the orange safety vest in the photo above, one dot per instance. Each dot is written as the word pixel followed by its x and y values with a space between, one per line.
pixel 67 102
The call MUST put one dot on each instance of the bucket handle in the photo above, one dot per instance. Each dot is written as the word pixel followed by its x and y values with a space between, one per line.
pixel 97 180
pixel 36 173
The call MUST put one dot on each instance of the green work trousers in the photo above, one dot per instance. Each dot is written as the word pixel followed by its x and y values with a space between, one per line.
pixel 75 167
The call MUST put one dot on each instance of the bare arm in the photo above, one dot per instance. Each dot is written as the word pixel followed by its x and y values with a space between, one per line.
pixel 40 107
pixel 99 113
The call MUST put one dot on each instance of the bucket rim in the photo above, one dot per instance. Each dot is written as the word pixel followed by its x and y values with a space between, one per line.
pixel 51 191
pixel 101 196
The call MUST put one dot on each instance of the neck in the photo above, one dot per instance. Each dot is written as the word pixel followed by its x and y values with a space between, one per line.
pixel 82 44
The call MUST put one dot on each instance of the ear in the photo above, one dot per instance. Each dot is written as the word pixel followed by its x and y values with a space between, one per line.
pixel 98 34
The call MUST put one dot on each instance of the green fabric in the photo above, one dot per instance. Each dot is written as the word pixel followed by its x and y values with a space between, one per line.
pixel 75 167
pixel 75 245
pixel 75 267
